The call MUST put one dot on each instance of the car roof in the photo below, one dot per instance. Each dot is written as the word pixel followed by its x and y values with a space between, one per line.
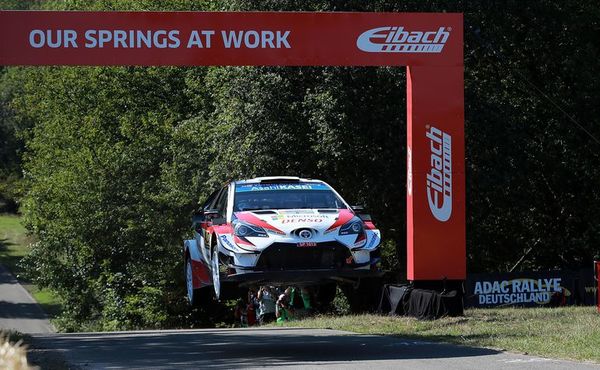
pixel 275 179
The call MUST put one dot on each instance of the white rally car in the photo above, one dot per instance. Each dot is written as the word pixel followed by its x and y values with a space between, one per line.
pixel 277 230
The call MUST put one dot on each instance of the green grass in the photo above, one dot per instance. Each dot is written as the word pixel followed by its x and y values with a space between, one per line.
pixel 566 332
pixel 14 245
pixel 13 242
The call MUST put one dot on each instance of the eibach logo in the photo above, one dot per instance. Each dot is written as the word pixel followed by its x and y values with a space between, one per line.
pixel 394 39
pixel 439 178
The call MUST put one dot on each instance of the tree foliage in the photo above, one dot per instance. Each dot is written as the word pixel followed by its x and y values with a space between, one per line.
pixel 117 158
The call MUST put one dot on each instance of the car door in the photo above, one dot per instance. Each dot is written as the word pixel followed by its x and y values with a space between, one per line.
pixel 201 226
pixel 218 204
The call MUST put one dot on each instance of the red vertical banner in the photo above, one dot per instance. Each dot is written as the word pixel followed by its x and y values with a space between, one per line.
pixel 435 174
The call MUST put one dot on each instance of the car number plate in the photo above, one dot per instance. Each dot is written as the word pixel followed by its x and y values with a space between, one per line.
pixel 306 244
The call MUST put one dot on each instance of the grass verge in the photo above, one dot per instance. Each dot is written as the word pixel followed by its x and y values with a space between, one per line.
pixel 14 245
pixel 565 332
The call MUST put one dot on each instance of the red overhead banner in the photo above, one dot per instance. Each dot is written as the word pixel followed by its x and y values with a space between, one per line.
pixel 229 38
pixel 430 44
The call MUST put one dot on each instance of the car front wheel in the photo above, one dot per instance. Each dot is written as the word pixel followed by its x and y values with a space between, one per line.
pixel 216 276
pixel 193 295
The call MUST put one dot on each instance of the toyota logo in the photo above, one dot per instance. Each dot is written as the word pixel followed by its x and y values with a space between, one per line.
pixel 305 234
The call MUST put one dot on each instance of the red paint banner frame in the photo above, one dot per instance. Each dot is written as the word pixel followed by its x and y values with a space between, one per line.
pixel 314 38
pixel 429 44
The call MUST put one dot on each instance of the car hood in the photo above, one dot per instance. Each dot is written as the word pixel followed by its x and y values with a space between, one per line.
pixel 287 220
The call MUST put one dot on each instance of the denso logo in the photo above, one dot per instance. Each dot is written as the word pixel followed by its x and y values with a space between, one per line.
pixel 394 39
pixel 300 220
pixel 439 178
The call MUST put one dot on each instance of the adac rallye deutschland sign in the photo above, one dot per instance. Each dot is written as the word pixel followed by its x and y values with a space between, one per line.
pixel 530 289
pixel 229 38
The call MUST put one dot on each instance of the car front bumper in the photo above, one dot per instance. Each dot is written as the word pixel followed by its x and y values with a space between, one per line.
pixel 306 276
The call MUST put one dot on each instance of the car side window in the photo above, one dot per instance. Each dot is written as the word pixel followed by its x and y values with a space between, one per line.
pixel 211 200
pixel 222 201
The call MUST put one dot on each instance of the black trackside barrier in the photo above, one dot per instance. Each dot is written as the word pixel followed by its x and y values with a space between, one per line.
pixel 427 304
pixel 531 289
pixel 393 299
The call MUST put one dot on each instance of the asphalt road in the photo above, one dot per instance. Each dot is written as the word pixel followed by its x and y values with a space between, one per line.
pixel 248 348
pixel 278 347
pixel 18 310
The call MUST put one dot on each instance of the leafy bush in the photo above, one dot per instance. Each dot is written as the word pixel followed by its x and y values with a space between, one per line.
pixel 10 193
pixel 340 304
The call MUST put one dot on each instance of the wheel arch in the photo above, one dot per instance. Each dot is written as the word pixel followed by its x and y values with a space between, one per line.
pixel 190 250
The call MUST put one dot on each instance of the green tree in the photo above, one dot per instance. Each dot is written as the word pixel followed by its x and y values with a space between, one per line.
pixel 117 158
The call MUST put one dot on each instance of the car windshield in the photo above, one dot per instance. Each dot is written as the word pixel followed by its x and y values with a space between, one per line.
pixel 250 197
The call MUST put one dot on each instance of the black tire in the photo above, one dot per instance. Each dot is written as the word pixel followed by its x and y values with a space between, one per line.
pixel 215 272
pixel 227 290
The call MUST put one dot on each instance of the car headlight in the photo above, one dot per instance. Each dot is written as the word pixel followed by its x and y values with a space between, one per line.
pixel 355 226
pixel 243 229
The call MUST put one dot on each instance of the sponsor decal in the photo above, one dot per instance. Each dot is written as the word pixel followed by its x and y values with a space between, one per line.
pixel 240 188
pixel 396 39
pixel 505 292
pixel 439 178
pixel 299 217
pixel 227 243
pixel 374 238
pixel 306 244
pixel 296 213
pixel 301 220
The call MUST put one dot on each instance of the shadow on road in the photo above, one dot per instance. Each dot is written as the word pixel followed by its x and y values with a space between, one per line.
pixel 18 310
pixel 10 263
pixel 5 243
pixel 252 347
pixel 6 277
pixel 21 310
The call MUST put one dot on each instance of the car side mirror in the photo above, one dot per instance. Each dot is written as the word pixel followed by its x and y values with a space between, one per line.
pixel 197 217
pixel 358 209
pixel 361 213
pixel 219 221
pixel 211 214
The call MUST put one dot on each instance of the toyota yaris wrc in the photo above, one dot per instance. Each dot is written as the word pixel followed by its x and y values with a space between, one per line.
pixel 277 230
